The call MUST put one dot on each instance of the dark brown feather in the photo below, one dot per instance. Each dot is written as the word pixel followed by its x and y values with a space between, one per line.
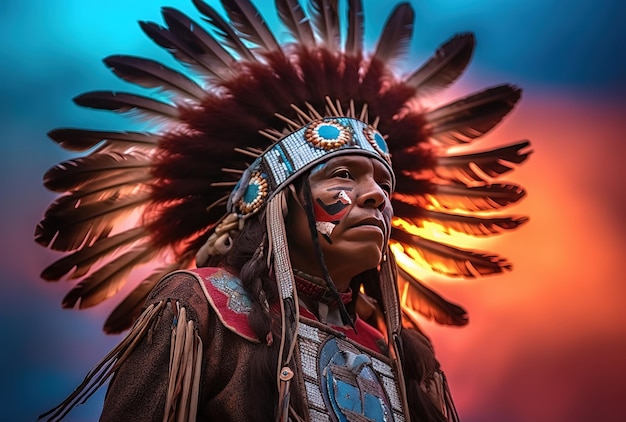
pixel 74 174
pixel 152 74
pixel 67 229
pixel 355 30
pixel 225 31
pixel 298 23
pixel 80 262
pixel 472 225
pixel 466 119
pixel 107 280
pixel 125 313
pixel 81 139
pixel 396 36
pixel 125 102
pixel 416 297
pixel 477 198
pixel 326 22
pixel 83 201
pixel 250 25
pixel 201 46
pixel 186 48
pixel 449 260
pixel 483 165
pixel 117 185
pixel 445 66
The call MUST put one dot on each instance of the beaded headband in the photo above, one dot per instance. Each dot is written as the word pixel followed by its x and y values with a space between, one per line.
pixel 297 152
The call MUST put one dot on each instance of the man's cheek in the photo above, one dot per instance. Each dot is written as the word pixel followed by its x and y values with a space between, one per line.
pixel 387 216
pixel 330 212
pixel 328 215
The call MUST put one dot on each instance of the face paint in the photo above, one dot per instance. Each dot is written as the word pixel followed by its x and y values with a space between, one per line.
pixel 327 216
pixel 343 197
pixel 334 211
pixel 325 228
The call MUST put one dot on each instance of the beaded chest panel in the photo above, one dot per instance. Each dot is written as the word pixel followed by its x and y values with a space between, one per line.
pixel 345 382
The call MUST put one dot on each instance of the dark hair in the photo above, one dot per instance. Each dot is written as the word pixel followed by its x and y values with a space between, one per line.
pixel 248 258
pixel 421 372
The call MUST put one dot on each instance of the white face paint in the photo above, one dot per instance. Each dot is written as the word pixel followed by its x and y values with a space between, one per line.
pixel 343 197
pixel 325 228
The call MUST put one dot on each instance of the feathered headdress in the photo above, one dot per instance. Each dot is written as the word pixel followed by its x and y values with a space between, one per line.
pixel 155 198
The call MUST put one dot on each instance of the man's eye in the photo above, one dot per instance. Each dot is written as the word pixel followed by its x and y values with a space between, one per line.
pixel 386 187
pixel 343 174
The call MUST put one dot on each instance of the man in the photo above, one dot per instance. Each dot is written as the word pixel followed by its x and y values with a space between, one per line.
pixel 234 360
pixel 278 180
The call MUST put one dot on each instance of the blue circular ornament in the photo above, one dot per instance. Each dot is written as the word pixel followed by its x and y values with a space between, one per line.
pixel 255 194
pixel 377 141
pixel 328 134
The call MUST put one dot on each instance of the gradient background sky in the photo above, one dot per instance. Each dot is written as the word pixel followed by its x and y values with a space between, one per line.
pixel 546 342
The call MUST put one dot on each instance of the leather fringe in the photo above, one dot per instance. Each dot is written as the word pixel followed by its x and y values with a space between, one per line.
pixel 184 373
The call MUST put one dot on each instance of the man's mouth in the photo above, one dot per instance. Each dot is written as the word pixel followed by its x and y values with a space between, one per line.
pixel 371 221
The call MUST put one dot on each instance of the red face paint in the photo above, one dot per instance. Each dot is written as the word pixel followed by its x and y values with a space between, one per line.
pixel 333 210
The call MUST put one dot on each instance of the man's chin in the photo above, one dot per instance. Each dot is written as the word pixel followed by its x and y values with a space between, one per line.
pixel 361 258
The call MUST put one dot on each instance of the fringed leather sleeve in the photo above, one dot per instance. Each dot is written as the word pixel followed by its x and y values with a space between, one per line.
pixel 185 370
pixel 177 363
pixel 157 377
pixel 184 365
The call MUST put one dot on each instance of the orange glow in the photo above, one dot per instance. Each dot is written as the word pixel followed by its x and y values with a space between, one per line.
pixel 534 332
pixel 414 265
pixel 435 231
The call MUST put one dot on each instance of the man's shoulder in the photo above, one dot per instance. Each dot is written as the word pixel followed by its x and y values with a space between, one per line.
pixel 228 298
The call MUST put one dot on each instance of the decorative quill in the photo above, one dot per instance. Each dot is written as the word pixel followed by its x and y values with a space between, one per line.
pixel 471 117
pixel 124 103
pixel 299 25
pixel 152 74
pixel 445 66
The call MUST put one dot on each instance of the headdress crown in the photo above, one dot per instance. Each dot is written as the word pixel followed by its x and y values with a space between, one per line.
pixel 232 143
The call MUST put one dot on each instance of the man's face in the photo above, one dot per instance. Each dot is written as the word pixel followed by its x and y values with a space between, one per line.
pixel 351 203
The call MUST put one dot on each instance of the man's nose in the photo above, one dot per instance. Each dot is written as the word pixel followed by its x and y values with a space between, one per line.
pixel 371 194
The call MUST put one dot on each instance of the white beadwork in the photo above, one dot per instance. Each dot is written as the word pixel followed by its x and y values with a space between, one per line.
pixel 308 357
pixel 392 393
pixel 382 367
pixel 309 332
pixel 317 416
pixel 314 395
